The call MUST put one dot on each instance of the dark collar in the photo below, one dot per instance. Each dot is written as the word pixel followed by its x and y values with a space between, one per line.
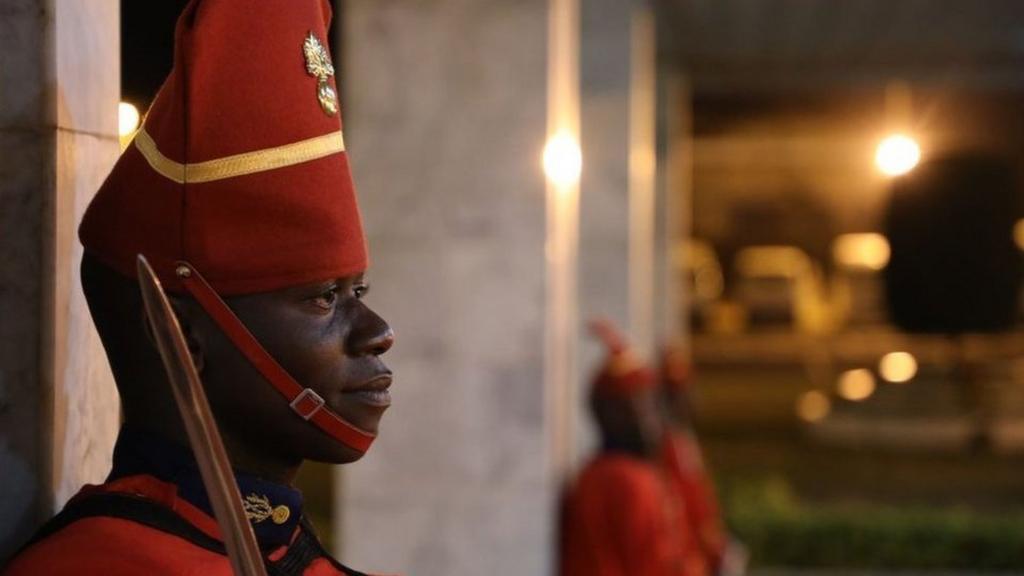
pixel 273 509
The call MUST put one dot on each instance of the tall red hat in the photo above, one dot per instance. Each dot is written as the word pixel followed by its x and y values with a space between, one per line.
pixel 238 181
pixel 240 167
pixel 622 372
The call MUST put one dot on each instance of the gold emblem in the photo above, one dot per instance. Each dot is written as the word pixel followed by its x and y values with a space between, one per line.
pixel 258 508
pixel 318 65
pixel 281 514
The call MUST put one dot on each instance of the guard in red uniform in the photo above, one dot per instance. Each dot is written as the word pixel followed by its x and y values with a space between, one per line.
pixel 237 189
pixel 682 458
pixel 620 517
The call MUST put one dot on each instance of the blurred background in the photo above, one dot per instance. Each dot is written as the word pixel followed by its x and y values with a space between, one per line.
pixel 819 200
pixel 853 272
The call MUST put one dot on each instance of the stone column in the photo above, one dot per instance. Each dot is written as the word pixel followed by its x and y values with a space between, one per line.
pixel 59 87
pixel 674 205
pixel 605 63
pixel 446 111
pixel 618 205
pixel 617 198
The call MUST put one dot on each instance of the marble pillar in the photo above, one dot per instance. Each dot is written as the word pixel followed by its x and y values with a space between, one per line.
pixel 674 202
pixel 59 88
pixel 617 197
pixel 605 66
pixel 447 104
pixel 446 115
pixel 620 255
pixel 27 164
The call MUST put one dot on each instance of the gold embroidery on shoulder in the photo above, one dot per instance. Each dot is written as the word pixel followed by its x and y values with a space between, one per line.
pixel 257 508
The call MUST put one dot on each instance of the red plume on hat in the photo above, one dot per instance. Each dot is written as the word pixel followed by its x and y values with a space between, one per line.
pixel 238 181
pixel 622 372
pixel 240 166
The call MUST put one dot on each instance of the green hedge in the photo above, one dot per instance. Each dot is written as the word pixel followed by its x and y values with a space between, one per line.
pixel 780 531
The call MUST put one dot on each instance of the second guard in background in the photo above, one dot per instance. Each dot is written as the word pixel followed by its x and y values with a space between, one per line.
pixel 620 516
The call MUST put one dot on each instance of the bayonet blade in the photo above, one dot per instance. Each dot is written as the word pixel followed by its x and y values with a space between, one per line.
pixel 207 447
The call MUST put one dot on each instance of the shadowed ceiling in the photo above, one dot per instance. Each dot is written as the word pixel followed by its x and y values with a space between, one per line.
pixel 750 44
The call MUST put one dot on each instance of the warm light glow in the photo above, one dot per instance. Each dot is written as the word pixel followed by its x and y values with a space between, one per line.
pixel 898 367
pixel 861 251
pixel 563 160
pixel 897 155
pixel 773 262
pixel 128 119
pixel 813 406
pixel 1018 234
pixel 856 385
pixel 702 262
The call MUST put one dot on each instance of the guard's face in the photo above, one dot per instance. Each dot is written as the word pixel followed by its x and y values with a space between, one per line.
pixel 644 413
pixel 629 420
pixel 326 337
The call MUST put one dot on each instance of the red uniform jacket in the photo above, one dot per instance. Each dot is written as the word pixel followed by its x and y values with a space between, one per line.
pixel 621 519
pixel 152 518
pixel 138 526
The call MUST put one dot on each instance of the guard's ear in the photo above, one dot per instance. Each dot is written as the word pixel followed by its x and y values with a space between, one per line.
pixel 192 339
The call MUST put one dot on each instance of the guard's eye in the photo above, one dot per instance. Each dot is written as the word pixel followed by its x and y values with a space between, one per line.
pixel 327 298
pixel 360 290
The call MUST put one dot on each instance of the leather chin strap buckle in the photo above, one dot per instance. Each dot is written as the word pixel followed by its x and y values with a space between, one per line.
pixel 307 404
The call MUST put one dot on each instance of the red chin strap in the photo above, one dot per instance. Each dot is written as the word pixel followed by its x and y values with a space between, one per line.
pixel 306 403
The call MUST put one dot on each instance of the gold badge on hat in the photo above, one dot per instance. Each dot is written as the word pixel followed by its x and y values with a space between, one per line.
pixel 318 65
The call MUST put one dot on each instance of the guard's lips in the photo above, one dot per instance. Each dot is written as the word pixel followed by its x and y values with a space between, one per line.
pixel 378 383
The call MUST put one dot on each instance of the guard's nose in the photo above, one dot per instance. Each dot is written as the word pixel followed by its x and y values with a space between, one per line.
pixel 372 336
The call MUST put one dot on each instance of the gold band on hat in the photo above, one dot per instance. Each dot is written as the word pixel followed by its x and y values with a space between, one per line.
pixel 239 164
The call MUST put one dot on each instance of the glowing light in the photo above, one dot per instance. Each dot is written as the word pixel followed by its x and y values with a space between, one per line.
pixel 856 385
pixel 861 251
pixel 897 155
pixel 563 160
pixel 128 119
pixel 898 367
pixel 1018 234
pixel 813 406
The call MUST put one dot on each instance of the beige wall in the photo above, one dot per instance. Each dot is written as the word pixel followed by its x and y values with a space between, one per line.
pixel 446 115
pixel 447 106
pixel 59 88
pixel 619 252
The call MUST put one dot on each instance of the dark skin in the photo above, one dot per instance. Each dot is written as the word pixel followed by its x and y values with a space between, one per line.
pixel 323 334
pixel 676 377
pixel 628 422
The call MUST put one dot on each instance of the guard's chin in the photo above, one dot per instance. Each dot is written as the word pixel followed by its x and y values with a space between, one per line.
pixel 335 453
